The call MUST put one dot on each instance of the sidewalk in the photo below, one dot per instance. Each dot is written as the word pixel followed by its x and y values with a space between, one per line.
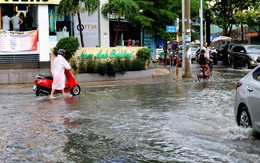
pixel 26 76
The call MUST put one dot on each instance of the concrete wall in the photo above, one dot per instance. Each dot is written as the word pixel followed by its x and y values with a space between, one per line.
pixel 27 76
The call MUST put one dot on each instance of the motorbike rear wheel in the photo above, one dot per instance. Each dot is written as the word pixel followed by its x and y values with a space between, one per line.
pixel 42 92
pixel 75 90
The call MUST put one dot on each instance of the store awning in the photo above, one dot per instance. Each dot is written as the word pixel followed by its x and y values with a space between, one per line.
pixel 252 34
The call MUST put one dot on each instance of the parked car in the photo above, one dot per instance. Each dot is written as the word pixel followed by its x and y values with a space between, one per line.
pixel 247 56
pixel 247 100
pixel 223 52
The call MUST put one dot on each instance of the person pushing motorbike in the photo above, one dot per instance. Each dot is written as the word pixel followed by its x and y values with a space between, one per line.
pixel 58 68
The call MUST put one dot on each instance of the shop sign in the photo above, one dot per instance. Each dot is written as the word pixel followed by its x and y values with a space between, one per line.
pixel 12 41
pixel 30 2
pixel 107 53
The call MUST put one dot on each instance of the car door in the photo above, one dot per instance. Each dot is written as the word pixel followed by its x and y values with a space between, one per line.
pixel 235 55
pixel 253 95
pixel 240 56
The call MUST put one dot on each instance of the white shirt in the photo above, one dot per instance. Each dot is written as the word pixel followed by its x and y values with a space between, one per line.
pixel 15 20
pixel 206 51
pixel 6 22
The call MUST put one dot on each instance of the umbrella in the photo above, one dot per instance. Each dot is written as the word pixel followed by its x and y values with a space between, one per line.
pixel 221 38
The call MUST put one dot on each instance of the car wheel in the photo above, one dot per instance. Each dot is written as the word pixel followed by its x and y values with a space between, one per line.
pixel 246 66
pixel 232 64
pixel 75 90
pixel 244 118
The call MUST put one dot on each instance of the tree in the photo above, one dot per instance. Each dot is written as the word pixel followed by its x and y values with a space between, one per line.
pixel 224 12
pixel 251 18
pixel 121 8
pixel 72 7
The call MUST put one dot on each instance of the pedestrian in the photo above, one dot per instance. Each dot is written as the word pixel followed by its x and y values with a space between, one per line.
pixel 28 21
pixel 171 58
pixel 58 69
pixel 22 24
pixel 6 22
pixel 16 21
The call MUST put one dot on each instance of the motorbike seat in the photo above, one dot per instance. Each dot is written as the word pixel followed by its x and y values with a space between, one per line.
pixel 47 77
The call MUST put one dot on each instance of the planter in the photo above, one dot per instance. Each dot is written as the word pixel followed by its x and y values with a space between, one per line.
pixel 85 77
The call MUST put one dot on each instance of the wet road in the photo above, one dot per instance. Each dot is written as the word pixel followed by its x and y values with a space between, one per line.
pixel 157 120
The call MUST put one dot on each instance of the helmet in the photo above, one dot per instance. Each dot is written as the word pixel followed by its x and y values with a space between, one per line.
pixel 61 52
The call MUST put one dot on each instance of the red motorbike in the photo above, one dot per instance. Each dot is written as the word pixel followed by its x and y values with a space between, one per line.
pixel 42 85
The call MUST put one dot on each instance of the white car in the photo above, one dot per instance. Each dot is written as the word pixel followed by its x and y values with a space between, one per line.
pixel 247 100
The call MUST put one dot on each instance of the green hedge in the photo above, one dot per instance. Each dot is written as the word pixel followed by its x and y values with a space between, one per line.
pixel 114 65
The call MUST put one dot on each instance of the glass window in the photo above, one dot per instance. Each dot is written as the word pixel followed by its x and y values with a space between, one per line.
pixel 256 74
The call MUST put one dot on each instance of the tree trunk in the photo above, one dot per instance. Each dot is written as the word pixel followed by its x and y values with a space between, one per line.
pixel 117 30
pixel 80 30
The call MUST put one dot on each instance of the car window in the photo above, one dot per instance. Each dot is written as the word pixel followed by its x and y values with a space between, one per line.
pixel 237 48
pixel 253 49
pixel 256 74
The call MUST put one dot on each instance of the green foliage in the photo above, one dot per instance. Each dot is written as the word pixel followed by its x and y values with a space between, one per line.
pixel 69 44
pixel 73 64
pixel 111 68
pixel 144 53
pixel 83 66
pixel 102 68
pixel 138 64
pixel 128 64
pixel 92 66
pixel 120 65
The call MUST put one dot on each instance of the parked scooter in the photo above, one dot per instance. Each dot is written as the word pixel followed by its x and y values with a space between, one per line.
pixel 42 85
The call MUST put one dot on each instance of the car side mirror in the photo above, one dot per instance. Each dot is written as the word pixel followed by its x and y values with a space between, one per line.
pixel 242 52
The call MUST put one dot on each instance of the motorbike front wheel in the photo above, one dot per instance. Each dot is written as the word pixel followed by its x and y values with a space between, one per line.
pixel 42 92
pixel 75 90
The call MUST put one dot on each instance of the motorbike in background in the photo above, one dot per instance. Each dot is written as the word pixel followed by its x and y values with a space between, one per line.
pixel 42 85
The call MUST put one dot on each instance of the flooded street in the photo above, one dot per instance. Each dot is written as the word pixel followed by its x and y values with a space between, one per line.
pixel 156 120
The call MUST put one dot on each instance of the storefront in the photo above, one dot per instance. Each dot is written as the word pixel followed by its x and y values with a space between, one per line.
pixel 29 47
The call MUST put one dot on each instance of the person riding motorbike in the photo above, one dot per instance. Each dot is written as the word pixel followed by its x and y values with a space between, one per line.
pixel 203 58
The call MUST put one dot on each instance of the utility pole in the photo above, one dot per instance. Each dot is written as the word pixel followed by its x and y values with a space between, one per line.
pixel 201 24
pixel 186 38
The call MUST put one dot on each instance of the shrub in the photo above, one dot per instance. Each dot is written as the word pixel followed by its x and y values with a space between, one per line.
pixel 111 69
pixel 120 65
pixel 138 64
pixel 128 64
pixel 83 66
pixel 74 64
pixel 69 44
pixel 102 68
pixel 92 66
pixel 143 53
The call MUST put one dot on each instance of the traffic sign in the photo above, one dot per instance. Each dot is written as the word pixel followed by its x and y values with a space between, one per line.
pixel 171 29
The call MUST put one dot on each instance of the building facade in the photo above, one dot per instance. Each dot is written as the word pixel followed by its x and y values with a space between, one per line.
pixel 30 47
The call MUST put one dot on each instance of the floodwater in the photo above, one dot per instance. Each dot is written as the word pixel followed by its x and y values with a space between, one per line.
pixel 159 120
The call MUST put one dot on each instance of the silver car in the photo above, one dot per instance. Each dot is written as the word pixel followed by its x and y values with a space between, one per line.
pixel 247 100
